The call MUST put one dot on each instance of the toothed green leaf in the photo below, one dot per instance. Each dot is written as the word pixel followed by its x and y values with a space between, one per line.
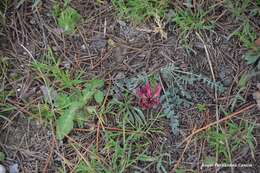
pixel 64 124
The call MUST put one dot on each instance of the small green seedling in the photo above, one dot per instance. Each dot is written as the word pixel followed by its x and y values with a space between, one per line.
pixel 246 35
pixel 237 8
pixel 138 11
pixel 49 67
pixel 67 17
pixel 201 107
pixel 68 20
pixel 230 139
pixel 82 167
pixel 189 21
pixel 75 108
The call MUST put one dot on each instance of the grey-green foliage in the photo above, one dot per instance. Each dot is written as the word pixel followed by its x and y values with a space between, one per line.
pixel 68 19
pixel 124 108
pixel 168 101
pixel 253 58
pixel 173 75
pixel 127 84
pixel 176 95
pixel 121 91
pixel 237 8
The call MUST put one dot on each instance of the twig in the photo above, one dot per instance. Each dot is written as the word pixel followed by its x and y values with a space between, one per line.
pixel 102 59
pixel 211 69
pixel 19 107
pixel 217 122
pixel 86 149
pixel 30 54
pixel 81 155
pixel 194 132
pixel 214 79
pixel 97 135
pixel 100 122
pixel 49 156
pixel 109 87
pixel 107 128
pixel 179 160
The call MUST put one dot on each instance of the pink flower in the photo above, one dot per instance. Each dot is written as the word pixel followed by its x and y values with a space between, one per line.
pixel 147 99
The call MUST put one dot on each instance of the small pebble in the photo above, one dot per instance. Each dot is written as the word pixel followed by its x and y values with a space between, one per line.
pixel 67 65
pixel 2 169
pixel 226 75
pixel 98 43
pixel 83 47
pixel 14 168
pixel 32 21
pixel 55 48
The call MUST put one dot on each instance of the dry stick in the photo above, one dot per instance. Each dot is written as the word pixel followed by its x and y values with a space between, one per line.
pixel 211 70
pixel 122 43
pixel 81 156
pixel 49 156
pixel 20 108
pixel 30 54
pixel 217 122
pixel 194 132
pixel 79 160
pixel 97 135
pixel 100 122
pixel 29 113
pixel 214 79
pixel 109 87
pixel 86 149
pixel 54 143
pixel 113 129
pixel 102 59
pixel 179 160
